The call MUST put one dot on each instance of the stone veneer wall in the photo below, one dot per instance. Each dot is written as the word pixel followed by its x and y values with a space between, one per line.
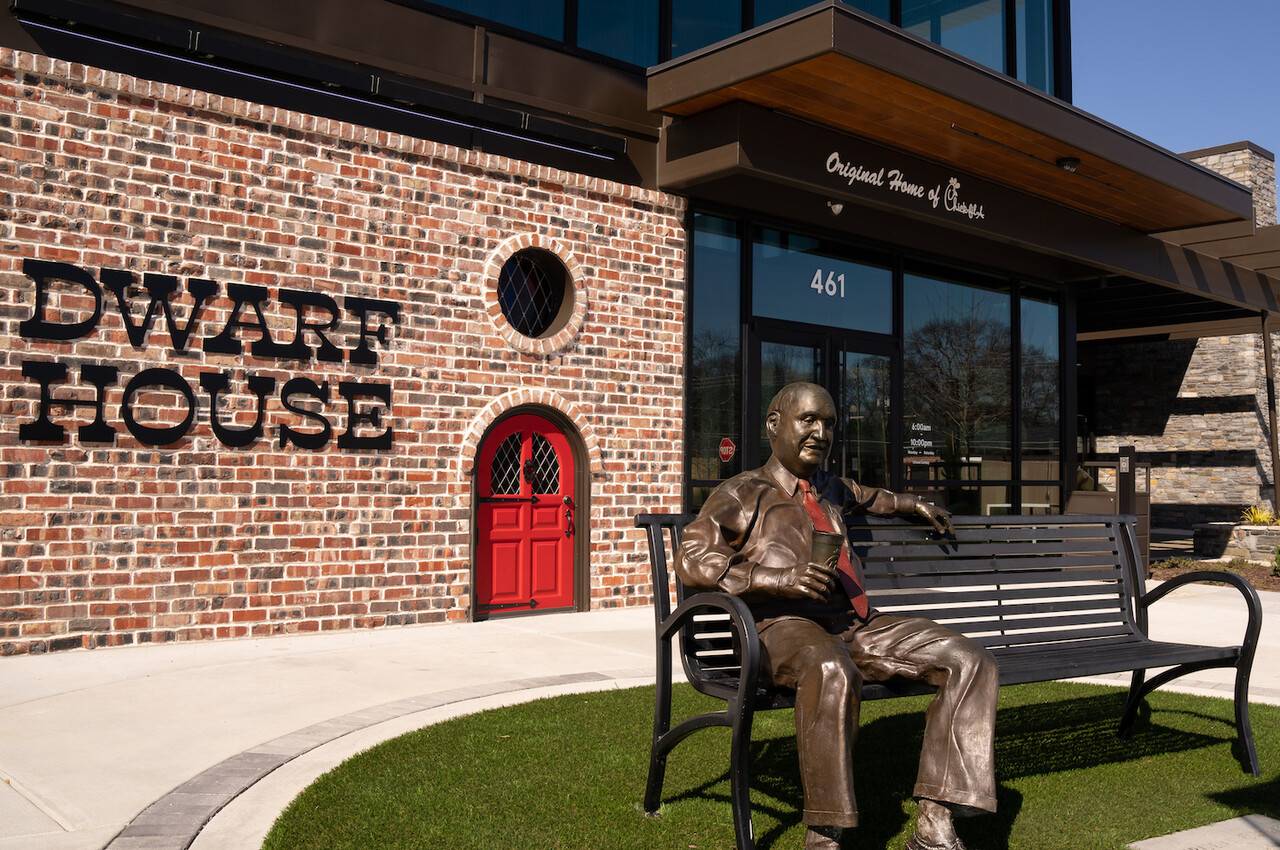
pixel 1253 168
pixel 1202 420
pixel 1198 421
pixel 106 544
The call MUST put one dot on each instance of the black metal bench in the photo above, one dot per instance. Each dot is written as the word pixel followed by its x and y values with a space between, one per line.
pixel 1052 597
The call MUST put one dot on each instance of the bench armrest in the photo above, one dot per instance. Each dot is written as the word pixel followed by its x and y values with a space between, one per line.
pixel 741 622
pixel 1250 597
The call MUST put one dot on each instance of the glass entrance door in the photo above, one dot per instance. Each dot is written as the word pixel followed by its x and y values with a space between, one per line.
pixel 863 446
pixel 860 382
pixel 782 363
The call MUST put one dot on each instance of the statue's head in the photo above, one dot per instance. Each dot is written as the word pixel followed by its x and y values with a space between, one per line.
pixel 800 425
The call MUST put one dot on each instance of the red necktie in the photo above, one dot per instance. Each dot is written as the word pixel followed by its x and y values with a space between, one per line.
pixel 844 567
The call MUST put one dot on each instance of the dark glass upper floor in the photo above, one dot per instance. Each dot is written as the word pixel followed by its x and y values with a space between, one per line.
pixel 1023 38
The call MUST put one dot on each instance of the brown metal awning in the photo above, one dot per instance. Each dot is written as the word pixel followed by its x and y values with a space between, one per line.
pixel 1241 246
pixel 848 71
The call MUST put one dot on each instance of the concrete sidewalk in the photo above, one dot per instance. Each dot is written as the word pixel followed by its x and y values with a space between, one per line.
pixel 94 738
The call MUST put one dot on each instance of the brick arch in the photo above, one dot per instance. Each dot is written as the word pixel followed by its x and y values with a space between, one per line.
pixel 543 397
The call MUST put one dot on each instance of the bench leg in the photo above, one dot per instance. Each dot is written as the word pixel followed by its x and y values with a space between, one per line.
pixel 1133 703
pixel 653 787
pixel 661 726
pixel 1244 730
pixel 1139 689
pixel 740 777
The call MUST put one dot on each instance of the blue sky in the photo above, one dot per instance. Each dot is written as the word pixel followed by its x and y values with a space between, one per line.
pixel 1185 74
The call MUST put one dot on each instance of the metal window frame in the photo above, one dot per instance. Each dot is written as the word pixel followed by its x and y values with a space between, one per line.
pixel 902 261
pixel 1059 15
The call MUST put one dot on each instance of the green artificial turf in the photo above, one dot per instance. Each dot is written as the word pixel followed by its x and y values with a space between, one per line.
pixel 569 772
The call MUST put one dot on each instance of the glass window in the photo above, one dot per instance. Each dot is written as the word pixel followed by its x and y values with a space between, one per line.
pixel 957 381
pixel 769 10
pixel 1041 395
pixel 965 499
pixel 803 279
pixel 540 17
pixel 972 28
pixel 1035 43
pixel 626 31
pixel 715 350
pixel 1043 498
pixel 863 450
pixel 782 364
pixel 697 23
pixel 531 289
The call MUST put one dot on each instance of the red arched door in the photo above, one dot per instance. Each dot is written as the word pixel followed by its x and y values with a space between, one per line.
pixel 526 528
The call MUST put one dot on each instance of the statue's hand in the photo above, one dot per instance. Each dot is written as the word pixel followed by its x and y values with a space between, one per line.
pixel 939 518
pixel 802 581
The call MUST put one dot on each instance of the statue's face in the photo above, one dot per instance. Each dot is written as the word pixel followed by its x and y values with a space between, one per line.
pixel 800 433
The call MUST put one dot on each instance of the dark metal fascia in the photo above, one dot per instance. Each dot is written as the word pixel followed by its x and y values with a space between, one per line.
pixel 1263 240
pixel 184 37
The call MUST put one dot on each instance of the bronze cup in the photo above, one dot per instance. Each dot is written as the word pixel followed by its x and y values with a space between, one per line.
pixel 826 546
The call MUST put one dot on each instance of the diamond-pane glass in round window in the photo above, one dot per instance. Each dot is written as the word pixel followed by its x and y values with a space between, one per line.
pixel 531 291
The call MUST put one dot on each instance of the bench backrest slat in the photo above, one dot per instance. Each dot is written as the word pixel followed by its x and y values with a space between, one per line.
pixel 942 564
pixel 659 528
pixel 1046 575
pixel 925 598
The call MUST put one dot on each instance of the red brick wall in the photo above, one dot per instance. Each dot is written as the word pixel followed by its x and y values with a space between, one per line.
pixel 105 544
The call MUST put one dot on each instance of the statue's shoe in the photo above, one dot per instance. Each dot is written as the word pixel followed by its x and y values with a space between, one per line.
pixel 822 838
pixel 915 842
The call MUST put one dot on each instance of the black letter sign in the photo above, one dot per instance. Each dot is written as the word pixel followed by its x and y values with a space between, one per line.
pixel 159 287
pixel 37 327
pixel 148 434
pixel 43 428
pixel 362 307
pixel 352 390
pixel 214 383
pixel 313 441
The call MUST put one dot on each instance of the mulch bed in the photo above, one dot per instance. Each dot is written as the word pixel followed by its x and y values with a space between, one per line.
pixel 1258 575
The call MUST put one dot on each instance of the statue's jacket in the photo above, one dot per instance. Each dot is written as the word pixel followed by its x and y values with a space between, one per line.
pixel 757 519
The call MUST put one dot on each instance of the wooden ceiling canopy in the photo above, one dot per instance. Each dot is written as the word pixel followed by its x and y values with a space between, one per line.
pixel 842 69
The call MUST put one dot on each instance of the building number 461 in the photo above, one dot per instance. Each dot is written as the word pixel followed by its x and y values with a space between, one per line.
pixel 833 285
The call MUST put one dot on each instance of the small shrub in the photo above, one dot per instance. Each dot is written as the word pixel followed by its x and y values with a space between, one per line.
pixel 1175 563
pixel 1275 563
pixel 1258 515
pixel 1237 565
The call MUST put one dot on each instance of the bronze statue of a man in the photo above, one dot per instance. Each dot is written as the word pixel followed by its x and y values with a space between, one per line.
pixel 753 538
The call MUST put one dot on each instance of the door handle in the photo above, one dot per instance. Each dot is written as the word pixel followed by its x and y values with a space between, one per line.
pixel 568 517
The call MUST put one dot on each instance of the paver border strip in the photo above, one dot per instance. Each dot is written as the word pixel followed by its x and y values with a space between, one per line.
pixel 175 820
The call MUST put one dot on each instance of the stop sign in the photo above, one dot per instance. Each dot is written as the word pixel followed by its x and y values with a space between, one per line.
pixel 727 449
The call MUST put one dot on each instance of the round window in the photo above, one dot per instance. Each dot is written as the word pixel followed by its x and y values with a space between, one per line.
pixel 534 292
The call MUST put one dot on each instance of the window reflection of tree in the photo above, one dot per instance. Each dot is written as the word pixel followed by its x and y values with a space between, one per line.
pixel 958 381
pixel 866 401
pixel 781 364
pixel 1039 400
pixel 713 387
